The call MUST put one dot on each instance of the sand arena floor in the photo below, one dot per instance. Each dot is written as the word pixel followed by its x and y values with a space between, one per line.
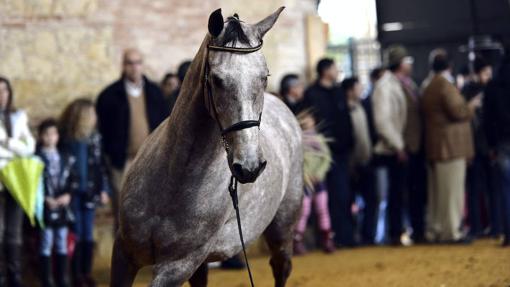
pixel 482 264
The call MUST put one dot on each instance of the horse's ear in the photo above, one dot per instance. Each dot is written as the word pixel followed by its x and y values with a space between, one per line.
pixel 263 26
pixel 216 23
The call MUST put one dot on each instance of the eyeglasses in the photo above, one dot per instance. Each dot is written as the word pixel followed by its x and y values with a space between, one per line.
pixel 132 63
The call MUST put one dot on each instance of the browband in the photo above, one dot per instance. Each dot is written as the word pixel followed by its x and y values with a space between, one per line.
pixel 236 50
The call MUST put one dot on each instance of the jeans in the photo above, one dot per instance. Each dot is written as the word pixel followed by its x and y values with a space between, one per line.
pixel 381 186
pixel 84 224
pixel 340 200
pixel 54 236
pixel 365 185
pixel 396 182
pixel 503 164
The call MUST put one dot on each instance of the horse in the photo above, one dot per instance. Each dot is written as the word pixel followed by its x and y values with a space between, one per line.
pixel 175 211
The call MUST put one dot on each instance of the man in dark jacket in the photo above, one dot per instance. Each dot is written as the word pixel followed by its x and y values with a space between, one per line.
pixel 496 121
pixel 128 110
pixel 480 172
pixel 329 106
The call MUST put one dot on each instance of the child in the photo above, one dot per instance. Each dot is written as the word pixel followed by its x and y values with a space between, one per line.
pixel 317 160
pixel 57 196
pixel 80 139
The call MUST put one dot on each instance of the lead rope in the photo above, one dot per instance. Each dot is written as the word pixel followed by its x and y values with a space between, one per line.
pixel 232 188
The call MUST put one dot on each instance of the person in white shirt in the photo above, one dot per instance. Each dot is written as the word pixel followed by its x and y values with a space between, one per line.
pixel 15 140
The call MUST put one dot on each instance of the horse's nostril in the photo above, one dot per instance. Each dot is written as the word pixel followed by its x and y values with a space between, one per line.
pixel 237 170
pixel 261 167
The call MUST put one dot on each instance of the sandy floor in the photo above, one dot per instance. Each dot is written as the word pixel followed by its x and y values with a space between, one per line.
pixel 481 264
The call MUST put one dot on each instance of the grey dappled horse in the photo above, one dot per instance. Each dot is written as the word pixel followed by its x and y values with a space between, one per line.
pixel 175 211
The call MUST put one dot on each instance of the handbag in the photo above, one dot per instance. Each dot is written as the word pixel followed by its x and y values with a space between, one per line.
pixel 59 216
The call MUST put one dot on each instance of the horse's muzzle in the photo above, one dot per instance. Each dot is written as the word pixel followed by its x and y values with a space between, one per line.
pixel 247 175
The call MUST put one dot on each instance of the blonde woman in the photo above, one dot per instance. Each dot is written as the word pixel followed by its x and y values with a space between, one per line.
pixel 15 140
pixel 80 139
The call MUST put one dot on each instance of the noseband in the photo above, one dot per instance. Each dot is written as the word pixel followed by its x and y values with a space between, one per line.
pixel 246 124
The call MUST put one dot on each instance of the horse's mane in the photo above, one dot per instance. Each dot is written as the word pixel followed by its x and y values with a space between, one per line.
pixel 234 32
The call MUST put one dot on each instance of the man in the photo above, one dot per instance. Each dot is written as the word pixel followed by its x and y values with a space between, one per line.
pixel 379 173
pixel 432 55
pixel 362 172
pixel 169 85
pixel 496 123
pixel 389 103
pixel 128 110
pixel 448 145
pixel 330 110
pixel 416 172
pixel 181 74
pixel 291 91
pixel 480 171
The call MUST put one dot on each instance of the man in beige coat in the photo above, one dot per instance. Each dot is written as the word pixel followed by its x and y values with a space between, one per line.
pixel 389 103
pixel 448 146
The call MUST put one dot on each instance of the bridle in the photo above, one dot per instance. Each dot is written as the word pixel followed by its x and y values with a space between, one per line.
pixel 244 124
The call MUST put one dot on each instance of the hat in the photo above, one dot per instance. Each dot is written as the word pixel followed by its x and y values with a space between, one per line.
pixel 396 54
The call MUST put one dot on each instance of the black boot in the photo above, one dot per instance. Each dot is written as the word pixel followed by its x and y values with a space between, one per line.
pixel 61 274
pixel 87 261
pixel 14 265
pixel 77 273
pixel 45 265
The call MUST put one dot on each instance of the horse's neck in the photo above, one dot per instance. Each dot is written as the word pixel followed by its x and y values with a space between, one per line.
pixel 192 133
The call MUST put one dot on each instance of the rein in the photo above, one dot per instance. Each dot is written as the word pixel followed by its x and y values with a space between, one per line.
pixel 245 124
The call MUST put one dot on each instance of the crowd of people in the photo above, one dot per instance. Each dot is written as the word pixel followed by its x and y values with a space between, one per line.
pixel 400 153
pixel 397 143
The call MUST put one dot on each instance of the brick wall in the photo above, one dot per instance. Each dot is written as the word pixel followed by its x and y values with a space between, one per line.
pixel 57 50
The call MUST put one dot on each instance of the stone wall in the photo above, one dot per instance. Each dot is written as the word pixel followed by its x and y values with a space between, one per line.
pixel 57 50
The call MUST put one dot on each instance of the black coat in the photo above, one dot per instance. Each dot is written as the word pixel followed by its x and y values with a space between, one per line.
pixel 369 110
pixel 114 117
pixel 470 91
pixel 66 180
pixel 496 106
pixel 331 112
pixel 295 108
pixel 67 177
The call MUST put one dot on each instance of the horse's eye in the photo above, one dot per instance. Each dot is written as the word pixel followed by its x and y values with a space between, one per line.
pixel 264 80
pixel 218 82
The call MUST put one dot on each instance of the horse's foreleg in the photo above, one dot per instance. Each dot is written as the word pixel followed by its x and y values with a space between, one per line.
pixel 199 278
pixel 280 233
pixel 123 271
pixel 280 245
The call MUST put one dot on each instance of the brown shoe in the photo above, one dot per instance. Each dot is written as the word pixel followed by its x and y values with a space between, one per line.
pixel 328 245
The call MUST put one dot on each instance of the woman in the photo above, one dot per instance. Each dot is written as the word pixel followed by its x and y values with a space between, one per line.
pixel 15 140
pixel 80 139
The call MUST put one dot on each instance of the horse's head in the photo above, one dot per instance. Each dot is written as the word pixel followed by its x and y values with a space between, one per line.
pixel 236 76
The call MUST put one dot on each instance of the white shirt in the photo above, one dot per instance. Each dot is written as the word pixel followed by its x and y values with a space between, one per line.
pixel 21 143
pixel 133 89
